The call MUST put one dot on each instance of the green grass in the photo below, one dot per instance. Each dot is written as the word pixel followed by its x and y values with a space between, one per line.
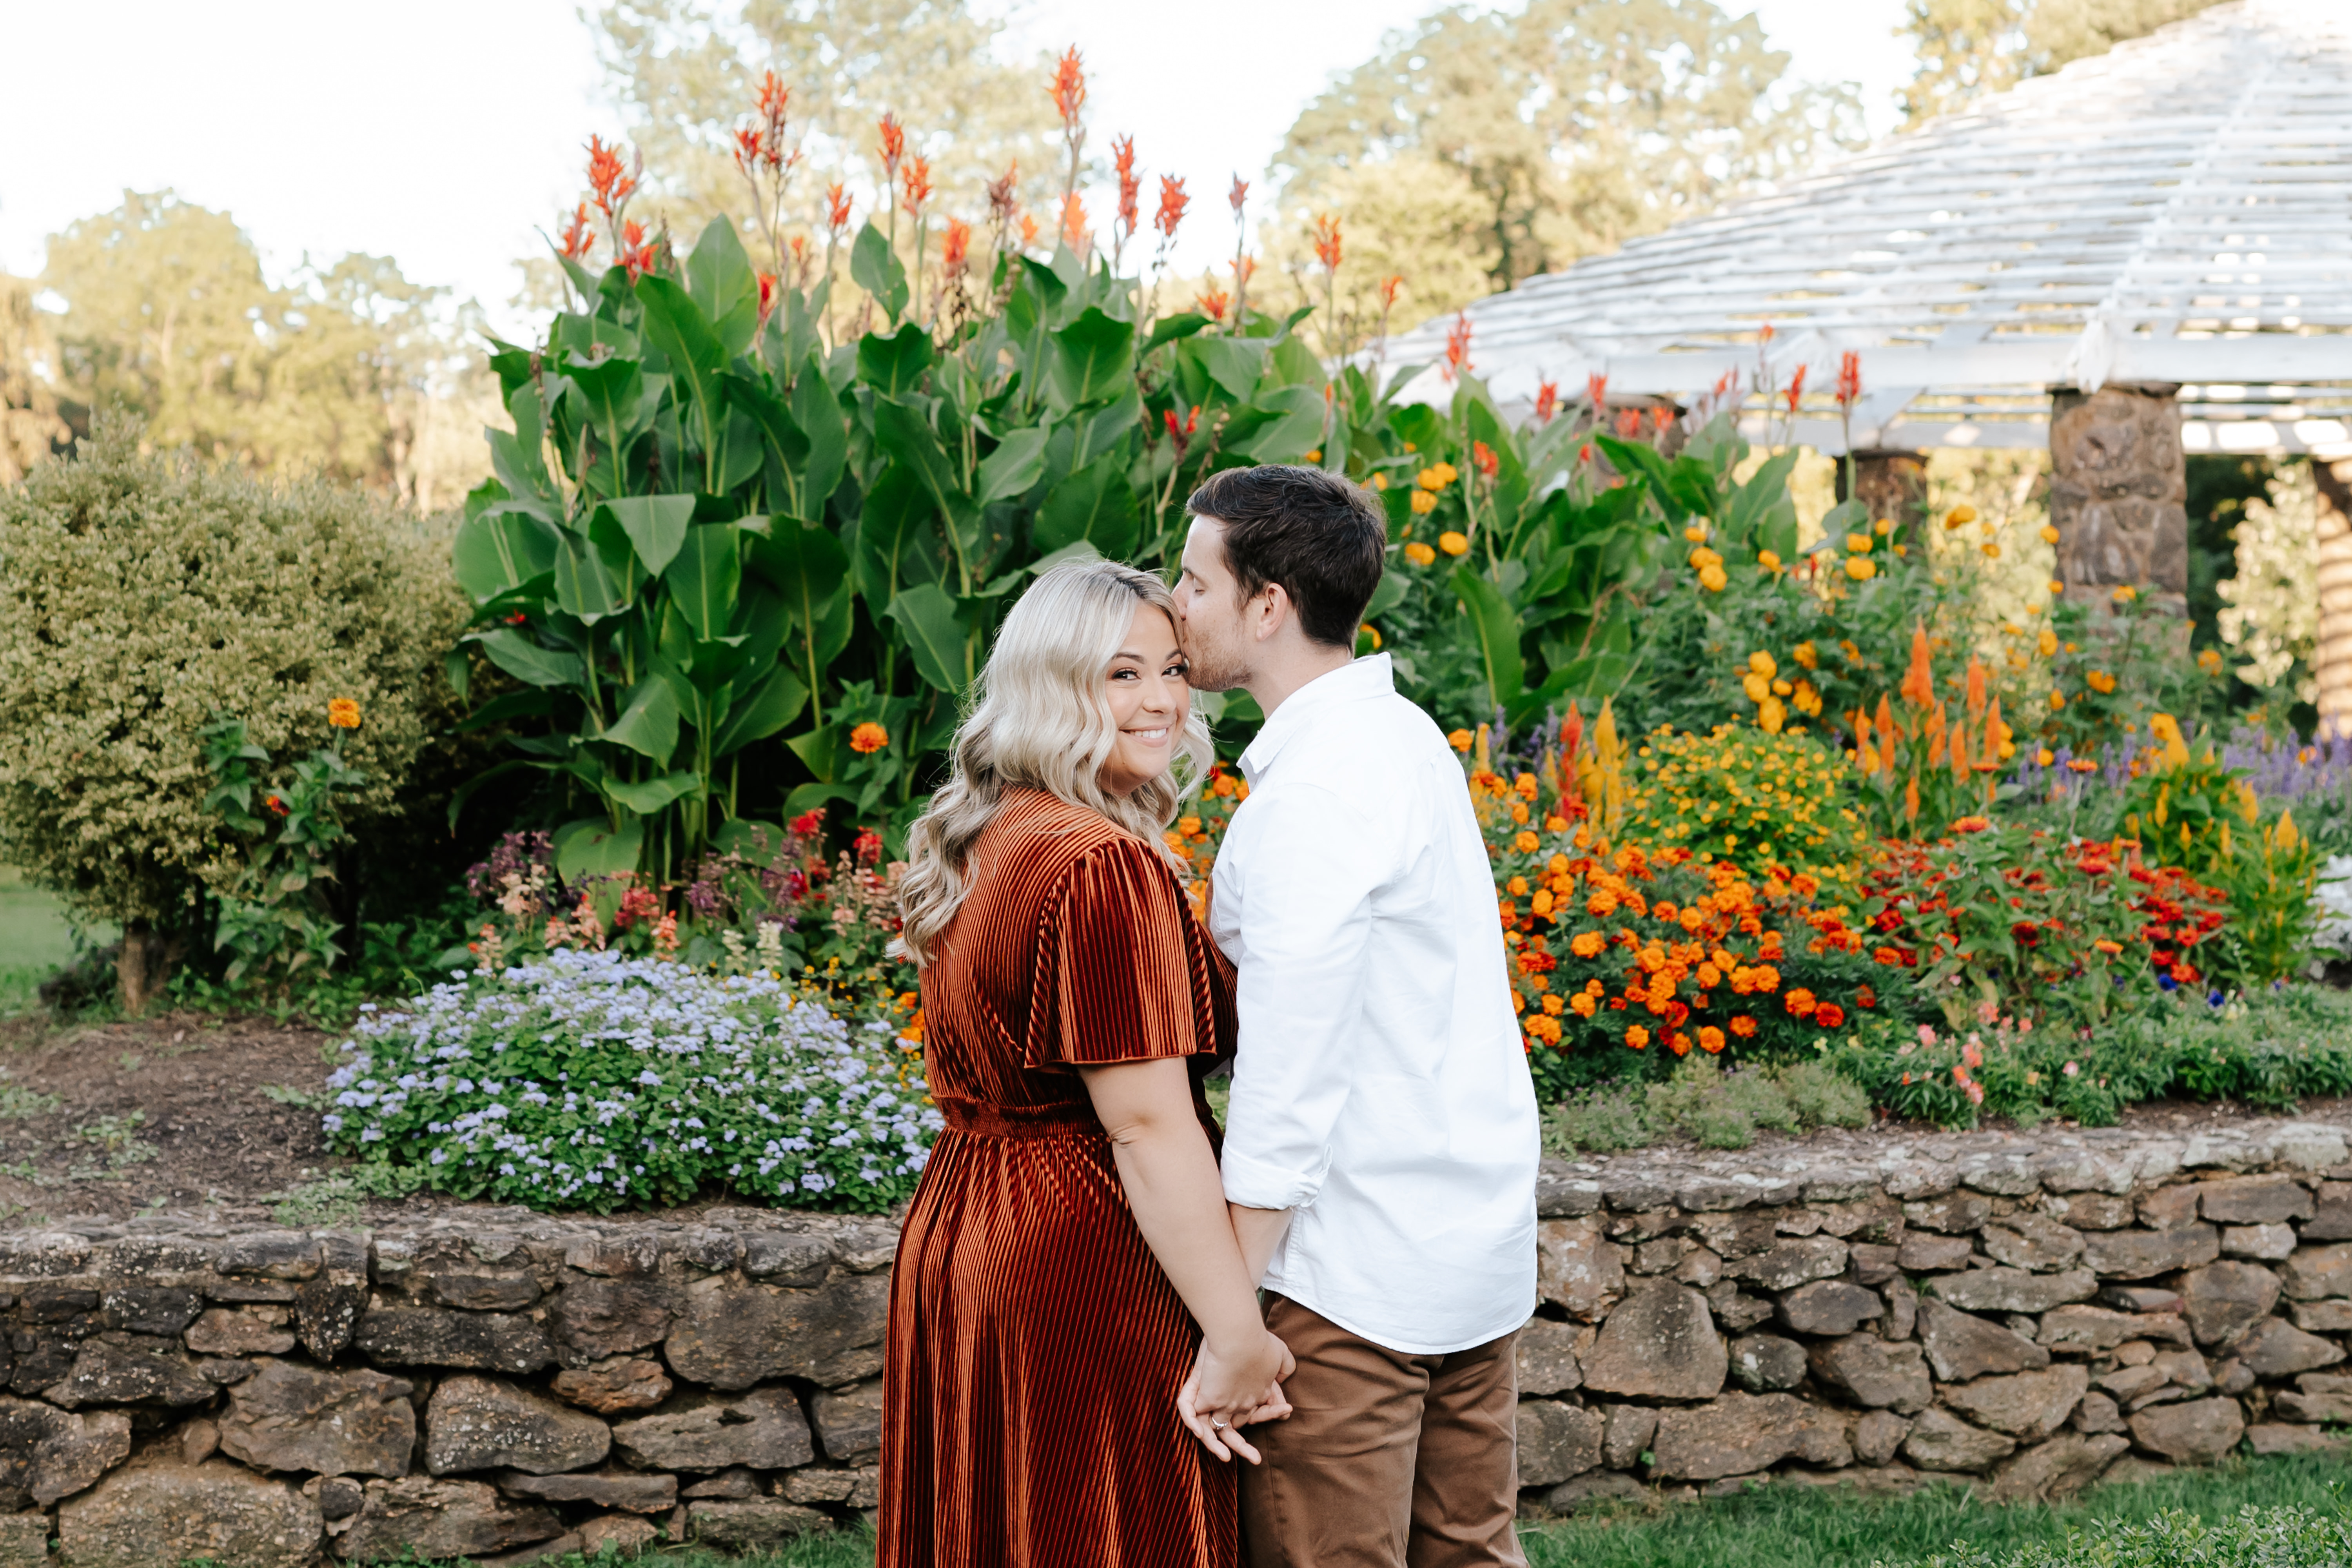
pixel 36 939
pixel 1782 1526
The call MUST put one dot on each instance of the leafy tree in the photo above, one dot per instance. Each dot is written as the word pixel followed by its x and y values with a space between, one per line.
pixel 169 315
pixel 29 424
pixel 1971 47
pixel 686 71
pixel 1568 127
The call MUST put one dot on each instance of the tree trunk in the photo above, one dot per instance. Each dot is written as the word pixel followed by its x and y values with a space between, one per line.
pixel 142 968
pixel 1892 484
pixel 2334 659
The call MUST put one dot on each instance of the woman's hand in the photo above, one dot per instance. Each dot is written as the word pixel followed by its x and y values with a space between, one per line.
pixel 1232 1388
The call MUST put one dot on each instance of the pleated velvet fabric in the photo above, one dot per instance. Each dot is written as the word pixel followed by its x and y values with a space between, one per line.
pixel 1035 1348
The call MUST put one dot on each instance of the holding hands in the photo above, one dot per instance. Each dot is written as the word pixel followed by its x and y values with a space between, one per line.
pixel 1233 1386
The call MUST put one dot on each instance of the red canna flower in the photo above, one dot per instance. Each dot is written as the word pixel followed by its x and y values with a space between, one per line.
pixel 609 185
pixel 1244 269
pixel 1547 400
pixel 808 823
pixel 1068 91
pixel 1457 345
pixel 636 250
pixel 868 847
pixel 894 147
pixel 836 205
pixel 1327 241
pixel 1390 286
pixel 1849 380
pixel 1122 156
pixel 1629 423
pixel 1661 416
pixel 1213 304
pixel 767 296
pixel 916 179
pixel 747 148
pixel 274 803
pixel 1796 388
pixel 1182 433
pixel 1596 388
pixel 1073 221
pixel 1764 334
pixel 1172 203
pixel 958 245
pixel 1482 457
pixel 577 239
pixel 1238 194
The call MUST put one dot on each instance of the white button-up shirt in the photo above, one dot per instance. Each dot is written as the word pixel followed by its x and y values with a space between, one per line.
pixel 1380 1090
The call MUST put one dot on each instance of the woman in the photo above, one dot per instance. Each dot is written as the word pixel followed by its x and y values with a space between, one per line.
pixel 1071 1215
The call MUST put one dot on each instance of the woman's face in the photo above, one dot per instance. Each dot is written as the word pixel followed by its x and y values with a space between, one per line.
pixel 1149 699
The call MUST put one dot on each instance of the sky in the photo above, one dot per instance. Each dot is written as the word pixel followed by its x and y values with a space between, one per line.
pixel 444 132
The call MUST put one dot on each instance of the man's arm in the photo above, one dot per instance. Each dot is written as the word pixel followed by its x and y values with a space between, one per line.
pixel 1304 890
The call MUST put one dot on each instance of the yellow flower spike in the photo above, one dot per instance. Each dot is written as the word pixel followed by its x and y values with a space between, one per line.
pixel 2287 837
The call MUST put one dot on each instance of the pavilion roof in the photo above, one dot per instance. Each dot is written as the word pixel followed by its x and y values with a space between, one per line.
pixel 2175 211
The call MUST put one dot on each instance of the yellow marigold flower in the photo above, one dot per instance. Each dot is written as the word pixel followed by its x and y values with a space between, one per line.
pixel 868 738
pixel 2048 643
pixel 1459 739
pixel 1960 516
pixel 1188 826
pixel 1424 502
pixel 1805 654
pixel 1762 664
pixel 2209 660
pixel 1370 630
pixel 344 712
pixel 2101 681
pixel 1585 1005
pixel 2057 700
pixel 1541 903
pixel 1993 550
pixel 1454 543
pixel 1435 477
pixel 1858 543
pixel 1768 558
pixel 2126 595
pixel 1783 689
pixel 1316 455
pixel 1883 526
pixel 1517 886
pixel 1903 551
pixel 1808 701
pixel 1712 579
pixel 1704 557
pixel 1756 685
pixel 1695 533
pixel 1771 715
pixel 1527 842
pixel 1861 568
pixel 2056 587
pixel 1380 481
pixel 2044 756
pixel 2049 535
pixel 1420 554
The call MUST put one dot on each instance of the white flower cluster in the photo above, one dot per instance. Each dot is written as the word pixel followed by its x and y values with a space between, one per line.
pixel 591 1080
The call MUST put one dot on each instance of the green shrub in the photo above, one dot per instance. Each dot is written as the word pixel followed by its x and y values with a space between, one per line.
pixel 143 597
pixel 589 1081
pixel 1715 1108
pixel 2251 1538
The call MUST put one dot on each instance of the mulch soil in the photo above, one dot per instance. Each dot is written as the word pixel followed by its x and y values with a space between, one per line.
pixel 174 1113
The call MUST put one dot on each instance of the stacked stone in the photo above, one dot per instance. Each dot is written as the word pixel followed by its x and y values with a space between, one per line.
pixel 2030 1313
pixel 2027 1314
pixel 495 1384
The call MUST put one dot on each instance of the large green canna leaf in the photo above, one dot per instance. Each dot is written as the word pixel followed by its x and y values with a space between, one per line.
pixel 1233 363
pixel 698 359
pixel 896 545
pixel 927 618
pixel 594 848
pixel 1296 430
pixel 1497 631
pixel 650 795
pixel 892 365
pixel 720 280
pixel 586 585
pixel 613 392
pixel 906 436
pixel 805 562
pixel 656 526
pixel 772 705
pixel 876 267
pixel 531 663
pixel 820 417
pixel 1093 356
pixel 496 552
pixel 705 575
pixel 1018 462
pixel 1097 505
pixel 648 725
pixel 1103 428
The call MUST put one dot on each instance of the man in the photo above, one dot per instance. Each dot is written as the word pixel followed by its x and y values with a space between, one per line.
pixel 1380 1146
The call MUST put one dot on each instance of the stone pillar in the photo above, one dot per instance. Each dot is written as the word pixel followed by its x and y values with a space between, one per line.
pixel 2333 661
pixel 1892 484
pixel 2118 492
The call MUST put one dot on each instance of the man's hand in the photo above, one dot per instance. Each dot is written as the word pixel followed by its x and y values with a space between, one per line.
pixel 1228 1392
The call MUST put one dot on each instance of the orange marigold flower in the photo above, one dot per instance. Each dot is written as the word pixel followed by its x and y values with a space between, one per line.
pixel 1527 842
pixel 868 738
pixel 1584 1005
pixel 1679 1043
pixel 1743 1025
pixel 1637 1037
pixel 1891 957
pixel 1799 1002
pixel 1710 1039
pixel 344 713
pixel 1829 1015
pixel 2110 948
pixel 1588 945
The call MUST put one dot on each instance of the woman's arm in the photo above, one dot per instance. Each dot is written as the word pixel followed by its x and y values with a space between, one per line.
pixel 1171 1177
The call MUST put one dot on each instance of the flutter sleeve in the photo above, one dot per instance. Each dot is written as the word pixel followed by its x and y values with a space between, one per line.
pixel 1121 971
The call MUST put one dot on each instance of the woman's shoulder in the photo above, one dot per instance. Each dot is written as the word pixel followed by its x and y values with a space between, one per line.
pixel 1065 839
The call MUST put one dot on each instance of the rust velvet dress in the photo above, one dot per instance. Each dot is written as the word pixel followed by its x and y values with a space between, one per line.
pixel 1035 1348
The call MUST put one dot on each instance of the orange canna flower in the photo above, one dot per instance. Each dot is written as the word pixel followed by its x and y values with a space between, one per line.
pixel 577 239
pixel 1327 241
pixel 1796 389
pixel 1458 346
pixel 868 738
pixel 1122 157
pixel 1849 380
pixel 1482 458
pixel 957 246
pixel 1596 389
pixel 894 147
pixel 1073 221
pixel 1390 286
pixel 916 178
pixel 1547 400
pixel 1629 423
pixel 836 205
pixel 1068 91
pixel 1172 203
pixel 1238 194
pixel 609 185
pixel 1213 303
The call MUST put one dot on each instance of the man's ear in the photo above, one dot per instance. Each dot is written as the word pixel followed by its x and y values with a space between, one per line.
pixel 1269 611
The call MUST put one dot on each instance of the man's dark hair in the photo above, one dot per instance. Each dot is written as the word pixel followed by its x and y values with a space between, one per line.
pixel 1322 538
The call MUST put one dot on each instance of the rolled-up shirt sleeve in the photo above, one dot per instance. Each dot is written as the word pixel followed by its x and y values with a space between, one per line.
pixel 1303 890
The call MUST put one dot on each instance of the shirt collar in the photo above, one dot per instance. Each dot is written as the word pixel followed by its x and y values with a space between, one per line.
pixel 1356 682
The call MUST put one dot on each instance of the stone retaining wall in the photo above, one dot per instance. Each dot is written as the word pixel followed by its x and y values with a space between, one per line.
pixel 497 1384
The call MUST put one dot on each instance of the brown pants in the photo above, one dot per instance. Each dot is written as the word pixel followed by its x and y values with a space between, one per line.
pixel 1388 1460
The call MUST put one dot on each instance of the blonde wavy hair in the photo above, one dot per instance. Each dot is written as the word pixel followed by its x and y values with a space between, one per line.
pixel 1041 719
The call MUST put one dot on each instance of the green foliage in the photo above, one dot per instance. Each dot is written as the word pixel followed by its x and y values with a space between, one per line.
pixel 273 915
pixel 1715 1108
pixel 1970 47
pixel 591 1080
pixel 140 597
pixel 2251 1538
pixel 1750 797
pixel 338 1197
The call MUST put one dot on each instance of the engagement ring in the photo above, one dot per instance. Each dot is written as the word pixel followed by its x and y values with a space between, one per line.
pixel 1217 1426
